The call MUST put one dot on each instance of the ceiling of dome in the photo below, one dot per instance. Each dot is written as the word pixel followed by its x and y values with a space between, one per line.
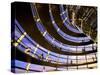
pixel 61 37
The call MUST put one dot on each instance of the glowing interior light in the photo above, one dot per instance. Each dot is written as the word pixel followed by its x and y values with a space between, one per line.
pixel 28 66
pixel 65 19
pixel 38 20
pixel 19 40
pixel 53 22
pixel 27 51
pixel 58 29
pixel 44 33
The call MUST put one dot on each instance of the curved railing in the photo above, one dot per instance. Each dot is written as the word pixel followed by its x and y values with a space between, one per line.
pixel 48 37
pixel 32 48
pixel 64 35
pixel 66 21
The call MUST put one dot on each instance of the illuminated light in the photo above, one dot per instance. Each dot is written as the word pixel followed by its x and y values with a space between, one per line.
pixel 38 20
pixel 37 46
pixel 35 50
pixel 44 33
pixel 41 47
pixel 58 29
pixel 65 20
pixel 25 33
pixel 27 51
pixel 33 55
pixel 53 22
pixel 48 52
pixel 19 40
pixel 15 44
pixel 21 37
pixel 50 10
pixel 28 66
